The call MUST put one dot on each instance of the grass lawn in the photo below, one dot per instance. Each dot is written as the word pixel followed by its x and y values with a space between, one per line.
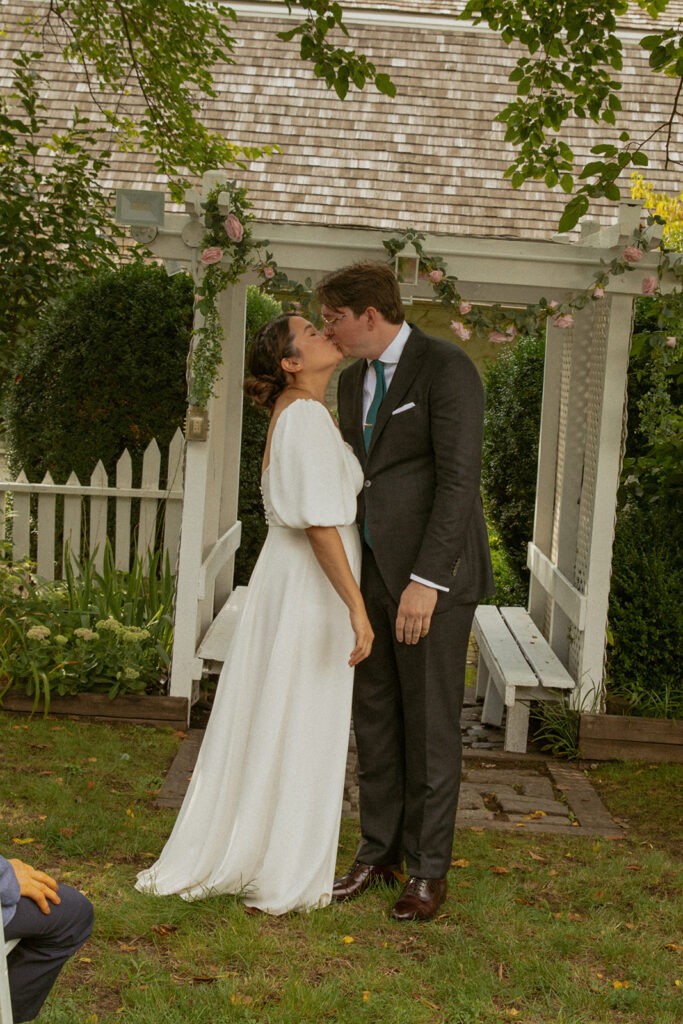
pixel 535 929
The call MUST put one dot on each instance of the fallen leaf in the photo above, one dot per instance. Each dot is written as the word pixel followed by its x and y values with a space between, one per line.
pixel 476 828
pixel 512 1012
pixel 461 863
pixel 674 947
pixel 237 999
pixel 534 815
pixel 634 867
pixel 552 872
pixel 84 960
pixel 24 842
pixel 426 1002
pixel 92 759
pixel 620 984
pixel 164 929
pixel 500 871
pixel 366 996
pixel 179 734
pixel 500 972
pixel 536 856
pixel 125 948
pixel 90 785
pixel 627 924
pixel 66 831
pixel 348 939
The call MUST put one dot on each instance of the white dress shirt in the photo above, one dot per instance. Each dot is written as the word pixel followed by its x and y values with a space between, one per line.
pixel 390 357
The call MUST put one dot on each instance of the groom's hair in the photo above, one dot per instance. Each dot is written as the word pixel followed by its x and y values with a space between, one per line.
pixel 361 285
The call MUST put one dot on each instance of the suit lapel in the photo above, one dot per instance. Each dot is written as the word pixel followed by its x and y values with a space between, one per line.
pixel 404 375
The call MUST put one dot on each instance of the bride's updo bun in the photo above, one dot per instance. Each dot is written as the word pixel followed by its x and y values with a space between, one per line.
pixel 271 344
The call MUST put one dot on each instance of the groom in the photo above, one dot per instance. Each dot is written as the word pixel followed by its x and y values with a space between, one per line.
pixel 412 409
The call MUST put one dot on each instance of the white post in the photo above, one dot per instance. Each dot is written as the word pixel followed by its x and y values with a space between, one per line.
pixel 589 690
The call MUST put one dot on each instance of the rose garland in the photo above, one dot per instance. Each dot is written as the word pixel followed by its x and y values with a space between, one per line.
pixel 230 250
pixel 500 325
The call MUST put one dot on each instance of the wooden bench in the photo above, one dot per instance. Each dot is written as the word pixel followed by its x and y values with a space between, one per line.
pixel 516 666
pixel 6 946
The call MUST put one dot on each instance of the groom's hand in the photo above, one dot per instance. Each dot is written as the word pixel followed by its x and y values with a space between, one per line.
pixel 415 611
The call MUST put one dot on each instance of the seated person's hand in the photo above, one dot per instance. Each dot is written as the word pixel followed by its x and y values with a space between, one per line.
pixel 38 886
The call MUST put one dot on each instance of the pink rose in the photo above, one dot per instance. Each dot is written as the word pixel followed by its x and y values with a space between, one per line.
pixel 567 320
pixel 268 272
pixel 649 286
pixel 233 228
pixel 464 333
pixel 435 276
pixel 632 254
pixel 510 333
pixel 464 308
pixel 670 341
pixel 497 337
pixel 211 255
pixel 598 292
pixel 553 305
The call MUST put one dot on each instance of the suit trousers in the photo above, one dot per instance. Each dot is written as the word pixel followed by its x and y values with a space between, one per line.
pixel 47 942
pixel 407 704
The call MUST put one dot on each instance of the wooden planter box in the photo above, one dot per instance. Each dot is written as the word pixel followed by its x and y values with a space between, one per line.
pixel 133 710
pixel 607 737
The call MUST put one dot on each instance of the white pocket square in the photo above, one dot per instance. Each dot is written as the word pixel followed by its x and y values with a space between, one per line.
pixel 403 408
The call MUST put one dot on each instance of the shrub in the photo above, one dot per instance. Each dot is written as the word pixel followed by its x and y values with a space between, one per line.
pixel 260 309
pixel 645 615
pixel 104 371
pixel 514 388
pixel 108 632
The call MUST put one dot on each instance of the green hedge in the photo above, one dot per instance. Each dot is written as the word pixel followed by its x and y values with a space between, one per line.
pixel 104 371
pixel 260 309
pixel 514 389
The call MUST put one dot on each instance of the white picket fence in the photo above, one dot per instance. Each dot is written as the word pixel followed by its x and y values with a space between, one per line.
pixel 16 501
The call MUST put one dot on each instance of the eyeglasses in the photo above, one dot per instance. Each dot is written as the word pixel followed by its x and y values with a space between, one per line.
pixel 330 321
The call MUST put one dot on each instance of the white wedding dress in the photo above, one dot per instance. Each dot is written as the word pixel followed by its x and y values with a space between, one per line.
pixel 261 815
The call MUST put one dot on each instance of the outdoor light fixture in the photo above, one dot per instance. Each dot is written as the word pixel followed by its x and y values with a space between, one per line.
pixel 407 266
pixel 142 210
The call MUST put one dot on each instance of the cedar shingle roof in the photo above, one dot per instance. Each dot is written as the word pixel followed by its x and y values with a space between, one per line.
pixel 432 158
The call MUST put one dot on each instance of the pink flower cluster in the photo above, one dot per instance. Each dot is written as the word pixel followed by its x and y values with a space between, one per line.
pixel 649 285
pixel 632 254
pixel 268 273
pixel 211 255
pixel 566 320
pixel 464 333
pixel 598 292
pixel 233 228
pixel 670 341
pixel 436 276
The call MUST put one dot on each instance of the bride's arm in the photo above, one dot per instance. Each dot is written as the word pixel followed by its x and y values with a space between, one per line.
pixel 329 550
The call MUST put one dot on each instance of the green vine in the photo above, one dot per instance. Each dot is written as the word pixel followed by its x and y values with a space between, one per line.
pixel 229 250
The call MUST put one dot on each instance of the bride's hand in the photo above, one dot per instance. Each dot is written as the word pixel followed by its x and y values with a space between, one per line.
pixel 364 636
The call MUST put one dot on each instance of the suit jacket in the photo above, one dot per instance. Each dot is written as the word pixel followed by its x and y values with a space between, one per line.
pixel 422 471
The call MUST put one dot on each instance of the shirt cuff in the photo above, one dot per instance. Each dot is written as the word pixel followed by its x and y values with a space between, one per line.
pixel 428 583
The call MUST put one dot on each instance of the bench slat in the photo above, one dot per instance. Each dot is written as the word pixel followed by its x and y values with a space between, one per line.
pixel 549 669
pixel 501 650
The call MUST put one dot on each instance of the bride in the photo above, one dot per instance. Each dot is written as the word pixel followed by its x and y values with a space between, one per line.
pixel 261 815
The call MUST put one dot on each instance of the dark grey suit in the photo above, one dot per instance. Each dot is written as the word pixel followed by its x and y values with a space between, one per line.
pixel 423 507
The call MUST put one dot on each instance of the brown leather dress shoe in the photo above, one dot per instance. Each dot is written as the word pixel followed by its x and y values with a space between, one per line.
pixel 360 876
pixel 420 899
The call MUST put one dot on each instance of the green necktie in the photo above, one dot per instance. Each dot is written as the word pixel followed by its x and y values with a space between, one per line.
pixel 380 392
pixel 371 419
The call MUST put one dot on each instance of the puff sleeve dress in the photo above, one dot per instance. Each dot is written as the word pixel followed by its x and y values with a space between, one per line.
pixel 261 815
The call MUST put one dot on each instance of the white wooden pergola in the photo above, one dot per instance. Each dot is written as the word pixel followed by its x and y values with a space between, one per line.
pixel 581 441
